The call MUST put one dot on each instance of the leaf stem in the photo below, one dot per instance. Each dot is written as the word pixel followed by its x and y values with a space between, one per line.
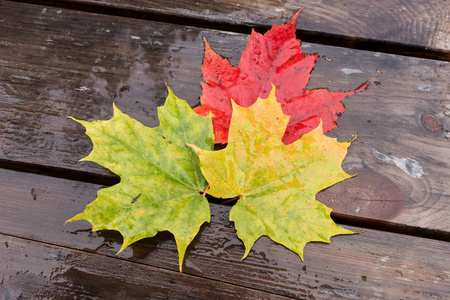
pixel 232 199
pixel 207 188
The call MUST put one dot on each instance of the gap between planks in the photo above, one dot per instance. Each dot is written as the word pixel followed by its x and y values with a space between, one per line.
pixel 306 36
pixel 134 265
pixel 103 177
pixel 360 262
pixel 112 179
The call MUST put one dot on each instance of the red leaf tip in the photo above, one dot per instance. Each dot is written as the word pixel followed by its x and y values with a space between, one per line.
pixel 207 46
pixel 362 88
pixel 293 20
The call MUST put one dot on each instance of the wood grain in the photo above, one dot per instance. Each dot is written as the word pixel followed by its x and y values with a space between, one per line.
pixel 421 24
pixel 43 271
pixel 370 264
pixel 56 63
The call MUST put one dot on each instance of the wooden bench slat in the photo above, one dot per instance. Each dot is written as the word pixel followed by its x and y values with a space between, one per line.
pixel 373 263
pixel 412 23
pixel 55 63
pixel 32 270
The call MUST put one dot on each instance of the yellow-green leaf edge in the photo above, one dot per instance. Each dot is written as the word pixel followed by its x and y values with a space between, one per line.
pixel 161 182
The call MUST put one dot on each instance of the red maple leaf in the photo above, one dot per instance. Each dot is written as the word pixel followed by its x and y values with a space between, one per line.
pixel 273 58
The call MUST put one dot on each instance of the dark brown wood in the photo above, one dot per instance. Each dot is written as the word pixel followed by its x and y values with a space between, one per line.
pixel 32 270
pixel 370 264
pixel 56 63
pixel 415 24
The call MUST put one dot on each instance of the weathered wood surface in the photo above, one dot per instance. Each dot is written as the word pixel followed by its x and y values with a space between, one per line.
pixel 423 24
pixel 371 264
pixel 32 270
pixel 56 63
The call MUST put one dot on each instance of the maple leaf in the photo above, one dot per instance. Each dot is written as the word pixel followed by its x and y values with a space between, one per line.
pixel 276 183
pixel 161 181
pixel 272 58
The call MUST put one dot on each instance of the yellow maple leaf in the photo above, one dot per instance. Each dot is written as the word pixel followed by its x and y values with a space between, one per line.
pixel 276 183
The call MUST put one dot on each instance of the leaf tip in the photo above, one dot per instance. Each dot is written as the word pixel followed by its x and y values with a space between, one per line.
pixel 319 128
pixel 320 123
pixel 77 120
pixel 293 20
pixel 272 91
pixel 207 46
pixel 122 248
pixel 247 251
pixel 85 158
pixel 248 244
pixel 182 246
pixel 363 87
pixel 169 90
pixel 126 241
pixel 180 261
pixel 75 218
pixel 116 111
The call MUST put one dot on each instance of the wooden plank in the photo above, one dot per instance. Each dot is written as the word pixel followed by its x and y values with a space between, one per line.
pixel 56 63
pixel 412 23
pixel 32 270
pixel 371 264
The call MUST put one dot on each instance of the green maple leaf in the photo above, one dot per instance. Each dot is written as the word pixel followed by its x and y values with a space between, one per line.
pixel 161 183
pixel 276 183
